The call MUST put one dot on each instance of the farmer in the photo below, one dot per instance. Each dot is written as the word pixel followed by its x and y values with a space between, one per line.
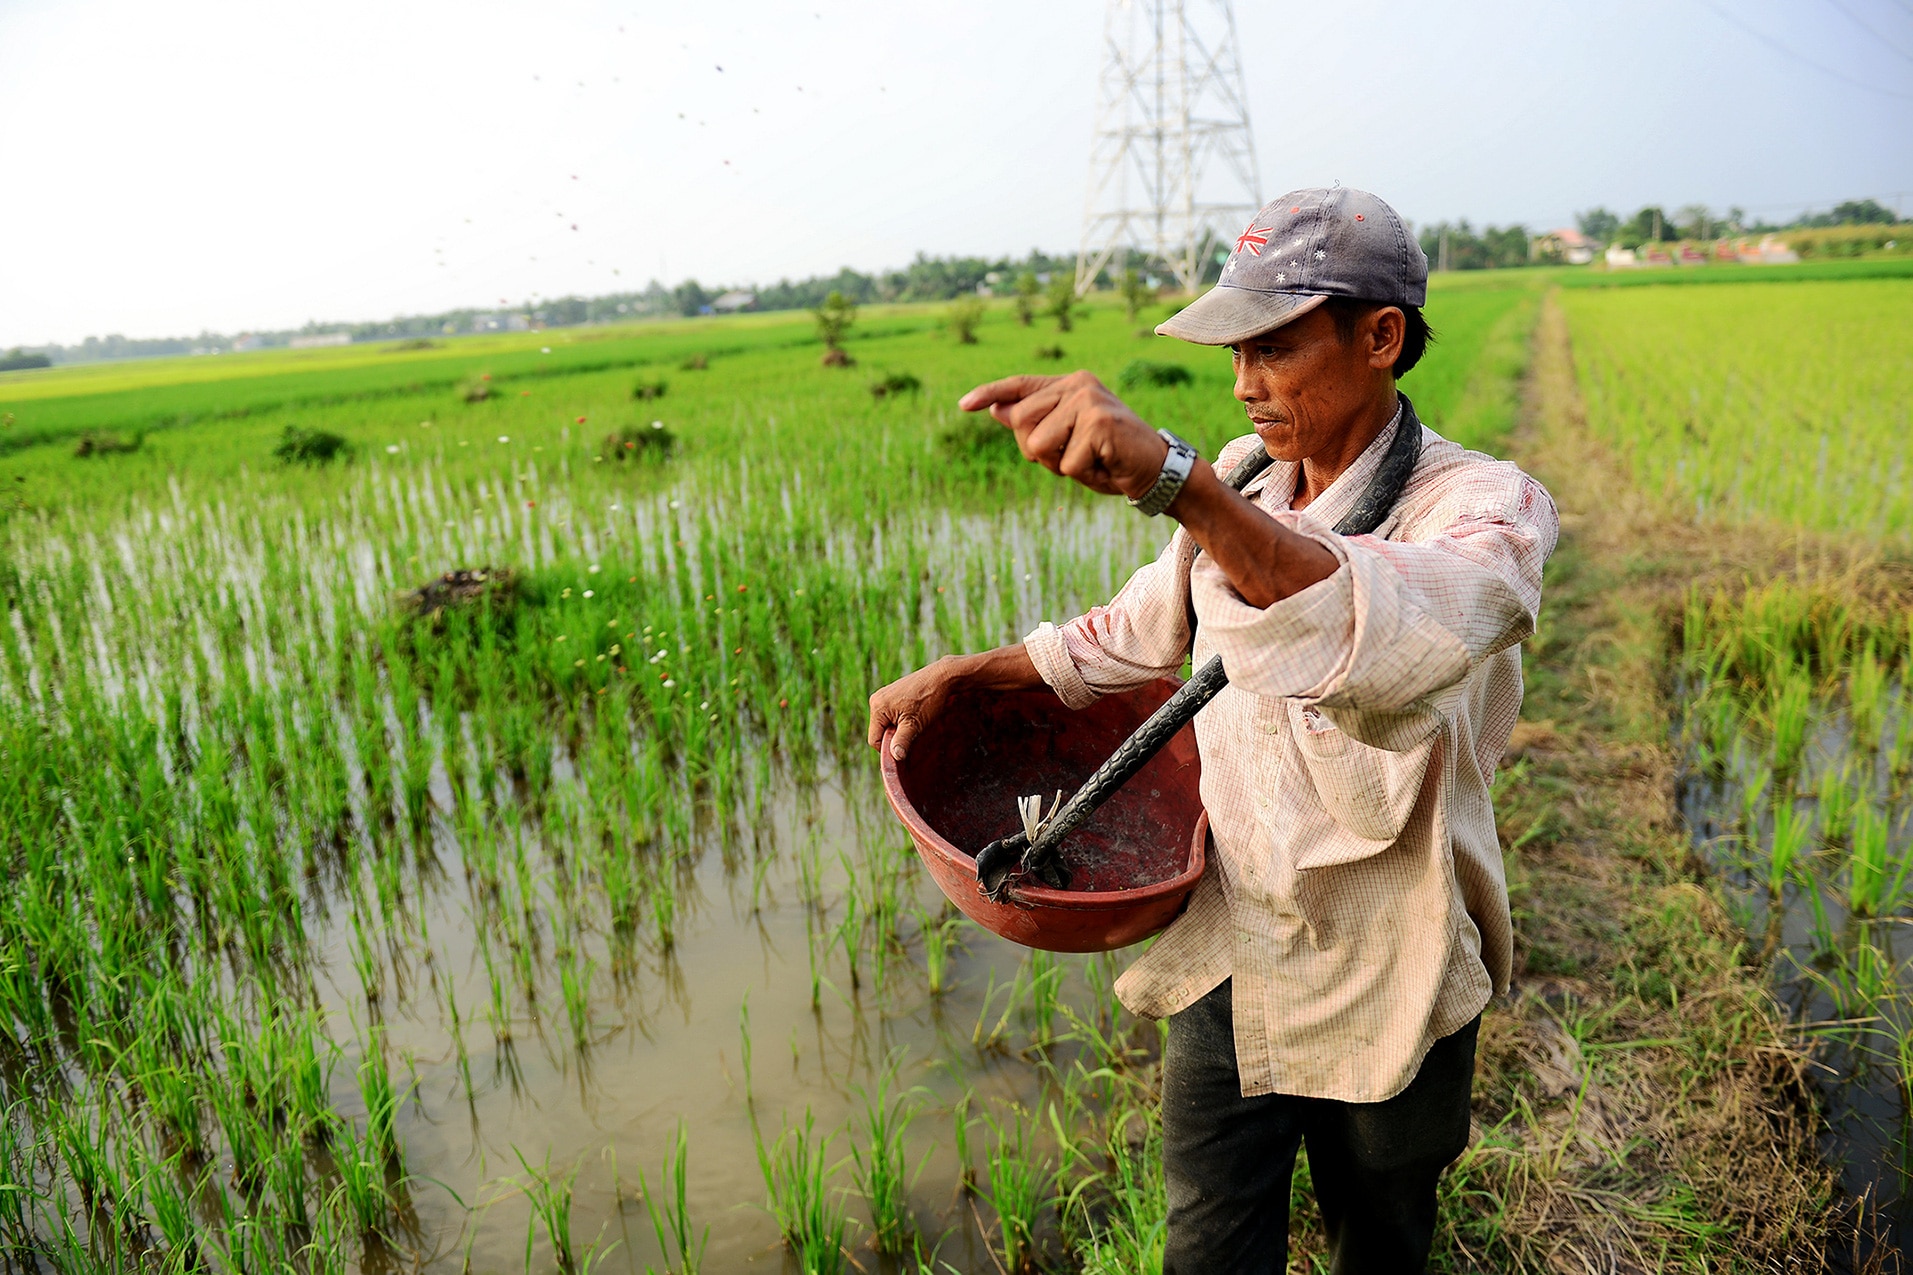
pixel 1324 986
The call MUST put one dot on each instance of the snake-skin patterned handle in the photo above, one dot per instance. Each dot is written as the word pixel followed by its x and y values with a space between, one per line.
pixel 1178 711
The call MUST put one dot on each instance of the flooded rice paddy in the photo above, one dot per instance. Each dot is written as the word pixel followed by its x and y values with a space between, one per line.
pixel 560 927
pixel 1798 786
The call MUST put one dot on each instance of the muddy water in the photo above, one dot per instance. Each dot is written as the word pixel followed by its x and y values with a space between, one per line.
pixel 1862 1075
pixel 666 1047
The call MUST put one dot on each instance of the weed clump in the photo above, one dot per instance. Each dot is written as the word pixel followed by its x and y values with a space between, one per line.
pixel 1052 352
pixel 107 444
pixel 977 440
pixel 493 587
pixel 965 314
pixel 696 363
pixel 895 383
pixel 641 442
pixel 478 389
pixel 649 388
pixel 1143 372
pixel 299 446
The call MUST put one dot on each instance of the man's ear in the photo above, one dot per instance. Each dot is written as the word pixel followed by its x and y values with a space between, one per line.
pixel 1384 332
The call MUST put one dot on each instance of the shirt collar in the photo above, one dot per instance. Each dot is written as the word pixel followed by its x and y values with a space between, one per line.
pixel 1277 482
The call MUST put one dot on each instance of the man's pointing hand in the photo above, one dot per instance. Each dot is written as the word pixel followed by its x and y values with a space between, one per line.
pixel 1072 425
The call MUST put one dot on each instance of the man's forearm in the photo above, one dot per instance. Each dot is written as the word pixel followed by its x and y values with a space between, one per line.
pixel 1264 560
pixel 1007 668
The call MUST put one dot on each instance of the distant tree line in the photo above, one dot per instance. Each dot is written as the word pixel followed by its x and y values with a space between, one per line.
pixel 1453 245
pixel 1459 246
pixel 19 360
pixel 1654 224
pixel 924 279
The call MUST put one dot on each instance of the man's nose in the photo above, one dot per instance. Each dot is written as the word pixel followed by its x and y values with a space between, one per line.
pixel 1247 388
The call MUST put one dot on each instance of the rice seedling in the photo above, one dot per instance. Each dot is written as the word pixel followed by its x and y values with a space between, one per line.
pixel 1867 698
pixel 882 1169
pixel 1838 793
pixel 670 1215
pixel 940 939
pixel 1045 984
pixel 1018 1188
pixel 1787 718
pixel 797 1182
pixel 1790 831
pixel 1874 882
pixel 1126 1234
pixel 960 1124
pixel 550 1196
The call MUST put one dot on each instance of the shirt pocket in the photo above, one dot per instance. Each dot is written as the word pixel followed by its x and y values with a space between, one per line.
pixel 1367 794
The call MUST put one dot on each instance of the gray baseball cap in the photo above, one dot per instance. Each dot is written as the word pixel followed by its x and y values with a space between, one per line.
pixel 1300 250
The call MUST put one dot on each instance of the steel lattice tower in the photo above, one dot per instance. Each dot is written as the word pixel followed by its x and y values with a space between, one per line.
pixel 1172 163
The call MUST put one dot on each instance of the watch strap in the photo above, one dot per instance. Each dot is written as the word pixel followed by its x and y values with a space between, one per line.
pixel 1176 467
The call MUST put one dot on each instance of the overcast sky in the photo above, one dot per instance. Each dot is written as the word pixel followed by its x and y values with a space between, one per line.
pixel 168 168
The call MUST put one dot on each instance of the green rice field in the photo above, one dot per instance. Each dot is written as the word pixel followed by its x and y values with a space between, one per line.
pixel 547 916
pixel 462 854
pixel 1751 401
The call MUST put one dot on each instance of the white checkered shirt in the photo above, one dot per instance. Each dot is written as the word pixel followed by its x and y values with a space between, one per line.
pixel 1355 893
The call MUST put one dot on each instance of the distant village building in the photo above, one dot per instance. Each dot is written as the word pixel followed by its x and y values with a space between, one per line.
pixel 247 341
pixel 1768 252
pixel 315 340
pixel 1566 244
pixel 1619 258
pixel 732 302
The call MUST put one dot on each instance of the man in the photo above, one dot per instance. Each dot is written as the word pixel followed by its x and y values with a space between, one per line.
pixel 1324 986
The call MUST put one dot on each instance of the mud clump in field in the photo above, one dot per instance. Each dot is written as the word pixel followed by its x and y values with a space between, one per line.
pixel 496 588
pixel 106 444
pixel 640 443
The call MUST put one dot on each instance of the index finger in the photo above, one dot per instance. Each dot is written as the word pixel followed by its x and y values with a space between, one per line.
pixel 1011 389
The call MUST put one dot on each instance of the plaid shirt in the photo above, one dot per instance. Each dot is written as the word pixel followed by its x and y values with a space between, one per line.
pixel 1356 892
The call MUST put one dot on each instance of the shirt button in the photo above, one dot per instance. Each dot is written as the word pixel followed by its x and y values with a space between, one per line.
pixel 1262 802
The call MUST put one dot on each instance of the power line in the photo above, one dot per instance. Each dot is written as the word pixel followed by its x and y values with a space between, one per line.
pixel 1799 57
pixel 1862 24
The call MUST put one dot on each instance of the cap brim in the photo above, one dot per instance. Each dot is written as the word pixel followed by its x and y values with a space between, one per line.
pixel 1227 316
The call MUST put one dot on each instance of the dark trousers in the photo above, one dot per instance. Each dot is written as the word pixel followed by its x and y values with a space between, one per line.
pixel 1229 1159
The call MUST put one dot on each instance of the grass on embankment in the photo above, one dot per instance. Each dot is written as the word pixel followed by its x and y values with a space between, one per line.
pixel 1640 1100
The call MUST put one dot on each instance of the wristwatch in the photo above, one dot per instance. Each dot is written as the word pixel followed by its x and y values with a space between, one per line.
pixel 1175 472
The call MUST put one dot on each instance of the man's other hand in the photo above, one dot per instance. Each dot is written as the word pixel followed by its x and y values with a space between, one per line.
pixel 911 703
pixel 1072 425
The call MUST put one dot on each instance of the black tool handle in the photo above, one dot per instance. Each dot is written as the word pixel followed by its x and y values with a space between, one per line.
pixel 1177 712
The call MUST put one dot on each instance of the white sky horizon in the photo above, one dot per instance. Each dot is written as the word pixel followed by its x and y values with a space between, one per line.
pixel 217 166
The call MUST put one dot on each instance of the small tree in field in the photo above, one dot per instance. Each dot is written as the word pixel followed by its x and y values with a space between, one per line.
pixel 965 314
pixel 1062 299
pixel 834 318
pixel 1027 290
pixel 1136 293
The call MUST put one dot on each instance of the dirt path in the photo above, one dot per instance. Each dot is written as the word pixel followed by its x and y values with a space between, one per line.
pixel 1639 1100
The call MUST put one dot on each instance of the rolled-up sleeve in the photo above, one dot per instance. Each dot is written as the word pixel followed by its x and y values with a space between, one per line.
pixel 1396 623
pixel 1142 634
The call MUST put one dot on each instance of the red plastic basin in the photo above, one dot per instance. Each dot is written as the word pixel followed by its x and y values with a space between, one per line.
pixel 1132 865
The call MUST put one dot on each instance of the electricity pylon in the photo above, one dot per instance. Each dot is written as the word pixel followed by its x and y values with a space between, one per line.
pixel 1172 164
